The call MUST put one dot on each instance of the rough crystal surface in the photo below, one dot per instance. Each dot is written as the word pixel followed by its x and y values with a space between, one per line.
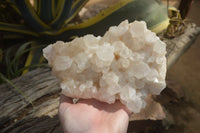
pixel 126 64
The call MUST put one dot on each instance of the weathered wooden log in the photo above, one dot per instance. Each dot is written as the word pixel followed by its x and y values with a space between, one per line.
pixel 178 45
pixel 18 115
pixel 42 89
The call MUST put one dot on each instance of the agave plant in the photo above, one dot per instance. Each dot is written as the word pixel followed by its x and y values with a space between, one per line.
pixel 43 18
pixel 49 19
pixel 46 21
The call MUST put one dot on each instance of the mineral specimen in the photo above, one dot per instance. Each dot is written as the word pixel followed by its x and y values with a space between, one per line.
pixel 126 64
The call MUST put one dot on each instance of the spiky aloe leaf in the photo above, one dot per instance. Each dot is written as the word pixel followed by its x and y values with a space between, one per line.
pixel 76 7
pixel 46 9
pixel 30 16
pixel 63 13
pixel 17 29
pixel 154 13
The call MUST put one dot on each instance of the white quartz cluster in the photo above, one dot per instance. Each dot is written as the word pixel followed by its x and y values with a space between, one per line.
pixel 126 64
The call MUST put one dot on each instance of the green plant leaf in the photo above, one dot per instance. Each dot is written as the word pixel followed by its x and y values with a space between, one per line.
pixel 21 50
pixel 76 7
pixel 155 16
pixel 17 29
pixel 46 10
pixel 12 64
pixel 62 14
pixel 12 3
pixel 30 16
pixel 36 5
pixel 54 7
pixel 16 88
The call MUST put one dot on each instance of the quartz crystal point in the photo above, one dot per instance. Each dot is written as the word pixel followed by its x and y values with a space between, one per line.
pixel 128 63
